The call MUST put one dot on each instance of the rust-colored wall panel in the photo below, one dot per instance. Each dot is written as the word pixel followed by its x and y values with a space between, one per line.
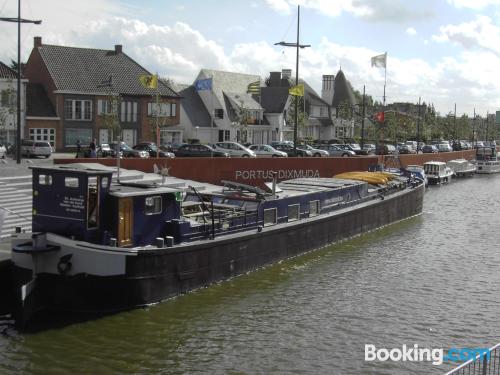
pixel 258 171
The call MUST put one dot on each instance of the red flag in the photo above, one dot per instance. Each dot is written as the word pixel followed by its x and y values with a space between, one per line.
pixel 380 117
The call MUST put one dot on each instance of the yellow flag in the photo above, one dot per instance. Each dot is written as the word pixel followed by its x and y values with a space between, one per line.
pixel 296 90
pixel 149 81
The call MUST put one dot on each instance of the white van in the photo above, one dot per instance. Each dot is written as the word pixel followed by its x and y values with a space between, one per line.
pixel 31 148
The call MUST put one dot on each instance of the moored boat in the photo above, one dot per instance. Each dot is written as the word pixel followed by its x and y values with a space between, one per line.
pixel 461 167
pixel 103 247
pixel 437 172
pixel 487 160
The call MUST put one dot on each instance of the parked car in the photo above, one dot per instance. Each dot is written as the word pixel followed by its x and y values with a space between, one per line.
pixel 405 149
pixel 289 150
pixel 387 149
pixel 234 149
pixel 369 147
pixel 105 150
pixel 335 150
pixel 429 149
pixel 129 152
pixel 444 147
pixel 31 148
pixel 316 152
pixel 150 147
pixel 3 151
pixel 412 144
pixel 266 150
pixel 358 150
pixel 199 150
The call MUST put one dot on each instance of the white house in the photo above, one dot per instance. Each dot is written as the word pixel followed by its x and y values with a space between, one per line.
pixel 8 105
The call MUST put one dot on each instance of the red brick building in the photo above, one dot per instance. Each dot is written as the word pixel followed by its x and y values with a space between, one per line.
pixel 71 91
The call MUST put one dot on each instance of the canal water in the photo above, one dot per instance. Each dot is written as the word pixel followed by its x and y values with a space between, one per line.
pixel 432 280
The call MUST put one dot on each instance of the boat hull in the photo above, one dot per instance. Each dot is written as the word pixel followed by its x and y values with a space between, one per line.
pixel 152 275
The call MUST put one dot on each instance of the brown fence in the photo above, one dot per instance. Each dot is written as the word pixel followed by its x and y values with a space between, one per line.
pixel 256 171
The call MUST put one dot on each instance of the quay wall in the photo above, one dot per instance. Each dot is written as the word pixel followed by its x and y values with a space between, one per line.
pixel 257 171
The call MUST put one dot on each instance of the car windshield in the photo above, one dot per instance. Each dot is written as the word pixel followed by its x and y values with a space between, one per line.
pixel 125 146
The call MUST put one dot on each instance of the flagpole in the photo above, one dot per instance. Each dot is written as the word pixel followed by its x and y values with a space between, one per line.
pixel 385 76
pixel 212 114
pixel 157 113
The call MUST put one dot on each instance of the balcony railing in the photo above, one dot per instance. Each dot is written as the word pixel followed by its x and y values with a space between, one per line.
pixel 483 364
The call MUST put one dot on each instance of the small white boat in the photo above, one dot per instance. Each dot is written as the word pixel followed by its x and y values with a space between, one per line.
pixel 462 167
pixel 437 172
pixel 487 160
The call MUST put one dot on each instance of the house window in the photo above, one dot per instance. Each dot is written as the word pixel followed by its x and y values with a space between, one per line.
pixel 269 217
pixel 78 109
pixel 313 208
pixel 128 112
pixel 293 212
pixel 224 135
pixel 106 107
pixel 8 98
pixel 163 109
pixel 152 205
pixel 219 113
pixel 73 135
pixel 43 135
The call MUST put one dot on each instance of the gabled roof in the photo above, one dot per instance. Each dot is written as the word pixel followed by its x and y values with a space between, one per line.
pixel 274 99
pixel 37 102
pixel 311 96
pixel 228 82
pixel 6 72
pixel 244 100
pixel 342 92
pixel 83 70
pixel 193 112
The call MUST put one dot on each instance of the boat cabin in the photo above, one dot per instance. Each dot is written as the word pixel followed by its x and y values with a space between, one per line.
pixel 83 205
pixel 486 153
pixel 434 168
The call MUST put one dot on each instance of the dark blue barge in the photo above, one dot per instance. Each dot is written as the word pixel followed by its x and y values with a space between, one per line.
pixel 103 247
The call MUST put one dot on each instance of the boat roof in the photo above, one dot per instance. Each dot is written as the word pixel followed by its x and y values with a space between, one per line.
pixel 71 168
pixel 300 186
pixel 435 162
pixel 136 189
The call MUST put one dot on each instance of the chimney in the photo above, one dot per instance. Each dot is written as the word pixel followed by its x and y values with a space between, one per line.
pixel 37 41
pixel 286 73
pixel 118 48
pixel 327 89
pixel 274 79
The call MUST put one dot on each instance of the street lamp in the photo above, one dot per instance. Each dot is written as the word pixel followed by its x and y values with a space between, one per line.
pixel 19 21
pixel 296 45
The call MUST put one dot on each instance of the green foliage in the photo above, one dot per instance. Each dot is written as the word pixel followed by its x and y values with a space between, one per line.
pixel 302 117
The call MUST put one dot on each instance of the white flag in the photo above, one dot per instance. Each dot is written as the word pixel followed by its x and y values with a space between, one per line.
pixel 380 61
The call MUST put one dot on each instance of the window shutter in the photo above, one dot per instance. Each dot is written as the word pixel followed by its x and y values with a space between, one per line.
pixel 100 107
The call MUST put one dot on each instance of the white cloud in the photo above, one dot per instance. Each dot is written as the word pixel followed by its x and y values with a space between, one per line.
pixel 411 31
pixel 280 6
pixel 473 4
pixel 179 51
pixel 369 10
pixel 480 33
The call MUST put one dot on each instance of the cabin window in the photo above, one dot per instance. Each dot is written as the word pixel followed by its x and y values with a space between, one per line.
pixel 313 208
pixel 152 205
pixel 45 179
pixel 104 182
pixel 293 212
pixel 93 202
pixel 269 217
pixel 71 182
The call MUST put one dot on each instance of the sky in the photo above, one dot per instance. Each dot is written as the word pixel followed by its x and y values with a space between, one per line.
pixel 445 52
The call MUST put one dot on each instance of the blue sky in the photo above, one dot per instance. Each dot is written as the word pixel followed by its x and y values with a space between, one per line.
pixel 445 51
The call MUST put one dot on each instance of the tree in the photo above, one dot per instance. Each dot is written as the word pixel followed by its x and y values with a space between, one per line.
pixel 109 114
pixel 8 106
pixel 302 117
pixel 242 118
